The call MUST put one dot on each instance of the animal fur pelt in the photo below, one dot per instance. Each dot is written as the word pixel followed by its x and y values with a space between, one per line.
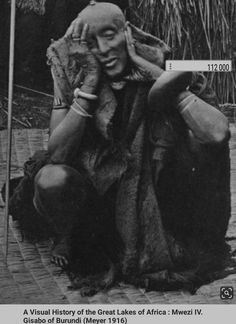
pixel 37 6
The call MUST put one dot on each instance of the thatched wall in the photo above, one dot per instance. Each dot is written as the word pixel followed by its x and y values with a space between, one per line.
pixel 194 29
pixel 37 6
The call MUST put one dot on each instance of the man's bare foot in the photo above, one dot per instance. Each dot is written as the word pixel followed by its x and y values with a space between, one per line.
pixel 92 284
pixel 60 253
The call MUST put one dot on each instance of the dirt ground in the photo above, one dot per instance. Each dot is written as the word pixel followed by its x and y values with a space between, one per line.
pixel 30 109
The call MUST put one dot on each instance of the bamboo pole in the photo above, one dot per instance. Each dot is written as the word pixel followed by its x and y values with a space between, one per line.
pixel 9 123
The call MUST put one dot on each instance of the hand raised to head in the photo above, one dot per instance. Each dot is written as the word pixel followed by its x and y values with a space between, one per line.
pixel 78 34
pixel 140 64
pixel 130 42
pixel 75 28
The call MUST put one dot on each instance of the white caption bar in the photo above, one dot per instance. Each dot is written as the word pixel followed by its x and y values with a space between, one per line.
pixel 199 65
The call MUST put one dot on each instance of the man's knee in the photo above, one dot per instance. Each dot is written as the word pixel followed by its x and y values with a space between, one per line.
pixel 51 178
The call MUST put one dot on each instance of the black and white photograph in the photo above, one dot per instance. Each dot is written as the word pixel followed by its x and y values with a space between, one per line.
pixel 117 170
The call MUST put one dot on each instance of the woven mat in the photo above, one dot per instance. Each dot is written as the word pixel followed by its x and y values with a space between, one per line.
pixel 28 277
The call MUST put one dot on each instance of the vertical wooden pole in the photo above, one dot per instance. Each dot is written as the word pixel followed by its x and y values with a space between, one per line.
pixel 9 123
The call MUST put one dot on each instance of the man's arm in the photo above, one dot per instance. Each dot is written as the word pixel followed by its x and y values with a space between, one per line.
pixel 208 125
pixel 67 128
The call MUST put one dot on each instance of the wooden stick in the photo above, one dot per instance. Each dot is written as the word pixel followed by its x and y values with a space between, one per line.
pixel 35 91
pixel 30 89
pixel 15 119
pixel 9 123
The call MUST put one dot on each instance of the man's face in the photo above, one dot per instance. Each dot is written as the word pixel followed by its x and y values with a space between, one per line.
pixel 106 40
pixel 109 46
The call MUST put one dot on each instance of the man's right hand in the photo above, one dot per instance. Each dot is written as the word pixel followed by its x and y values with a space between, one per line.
pixel 78 32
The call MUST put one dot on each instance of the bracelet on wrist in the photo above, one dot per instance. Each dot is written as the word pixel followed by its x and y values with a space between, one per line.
pixel 186 102
pixel 76 107
pixel 84 95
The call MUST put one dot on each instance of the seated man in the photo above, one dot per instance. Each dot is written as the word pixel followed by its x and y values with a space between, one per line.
pixel 137 160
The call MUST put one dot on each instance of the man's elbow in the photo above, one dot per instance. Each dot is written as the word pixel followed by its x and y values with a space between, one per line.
pixel 220 134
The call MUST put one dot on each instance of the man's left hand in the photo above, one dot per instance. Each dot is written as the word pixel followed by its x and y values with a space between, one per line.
pixel 141 65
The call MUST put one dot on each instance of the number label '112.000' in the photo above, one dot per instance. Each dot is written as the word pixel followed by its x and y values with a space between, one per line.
pixel 199 65
pixel 218 67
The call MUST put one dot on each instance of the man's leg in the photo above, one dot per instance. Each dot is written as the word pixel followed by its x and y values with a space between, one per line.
pixel 61 196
